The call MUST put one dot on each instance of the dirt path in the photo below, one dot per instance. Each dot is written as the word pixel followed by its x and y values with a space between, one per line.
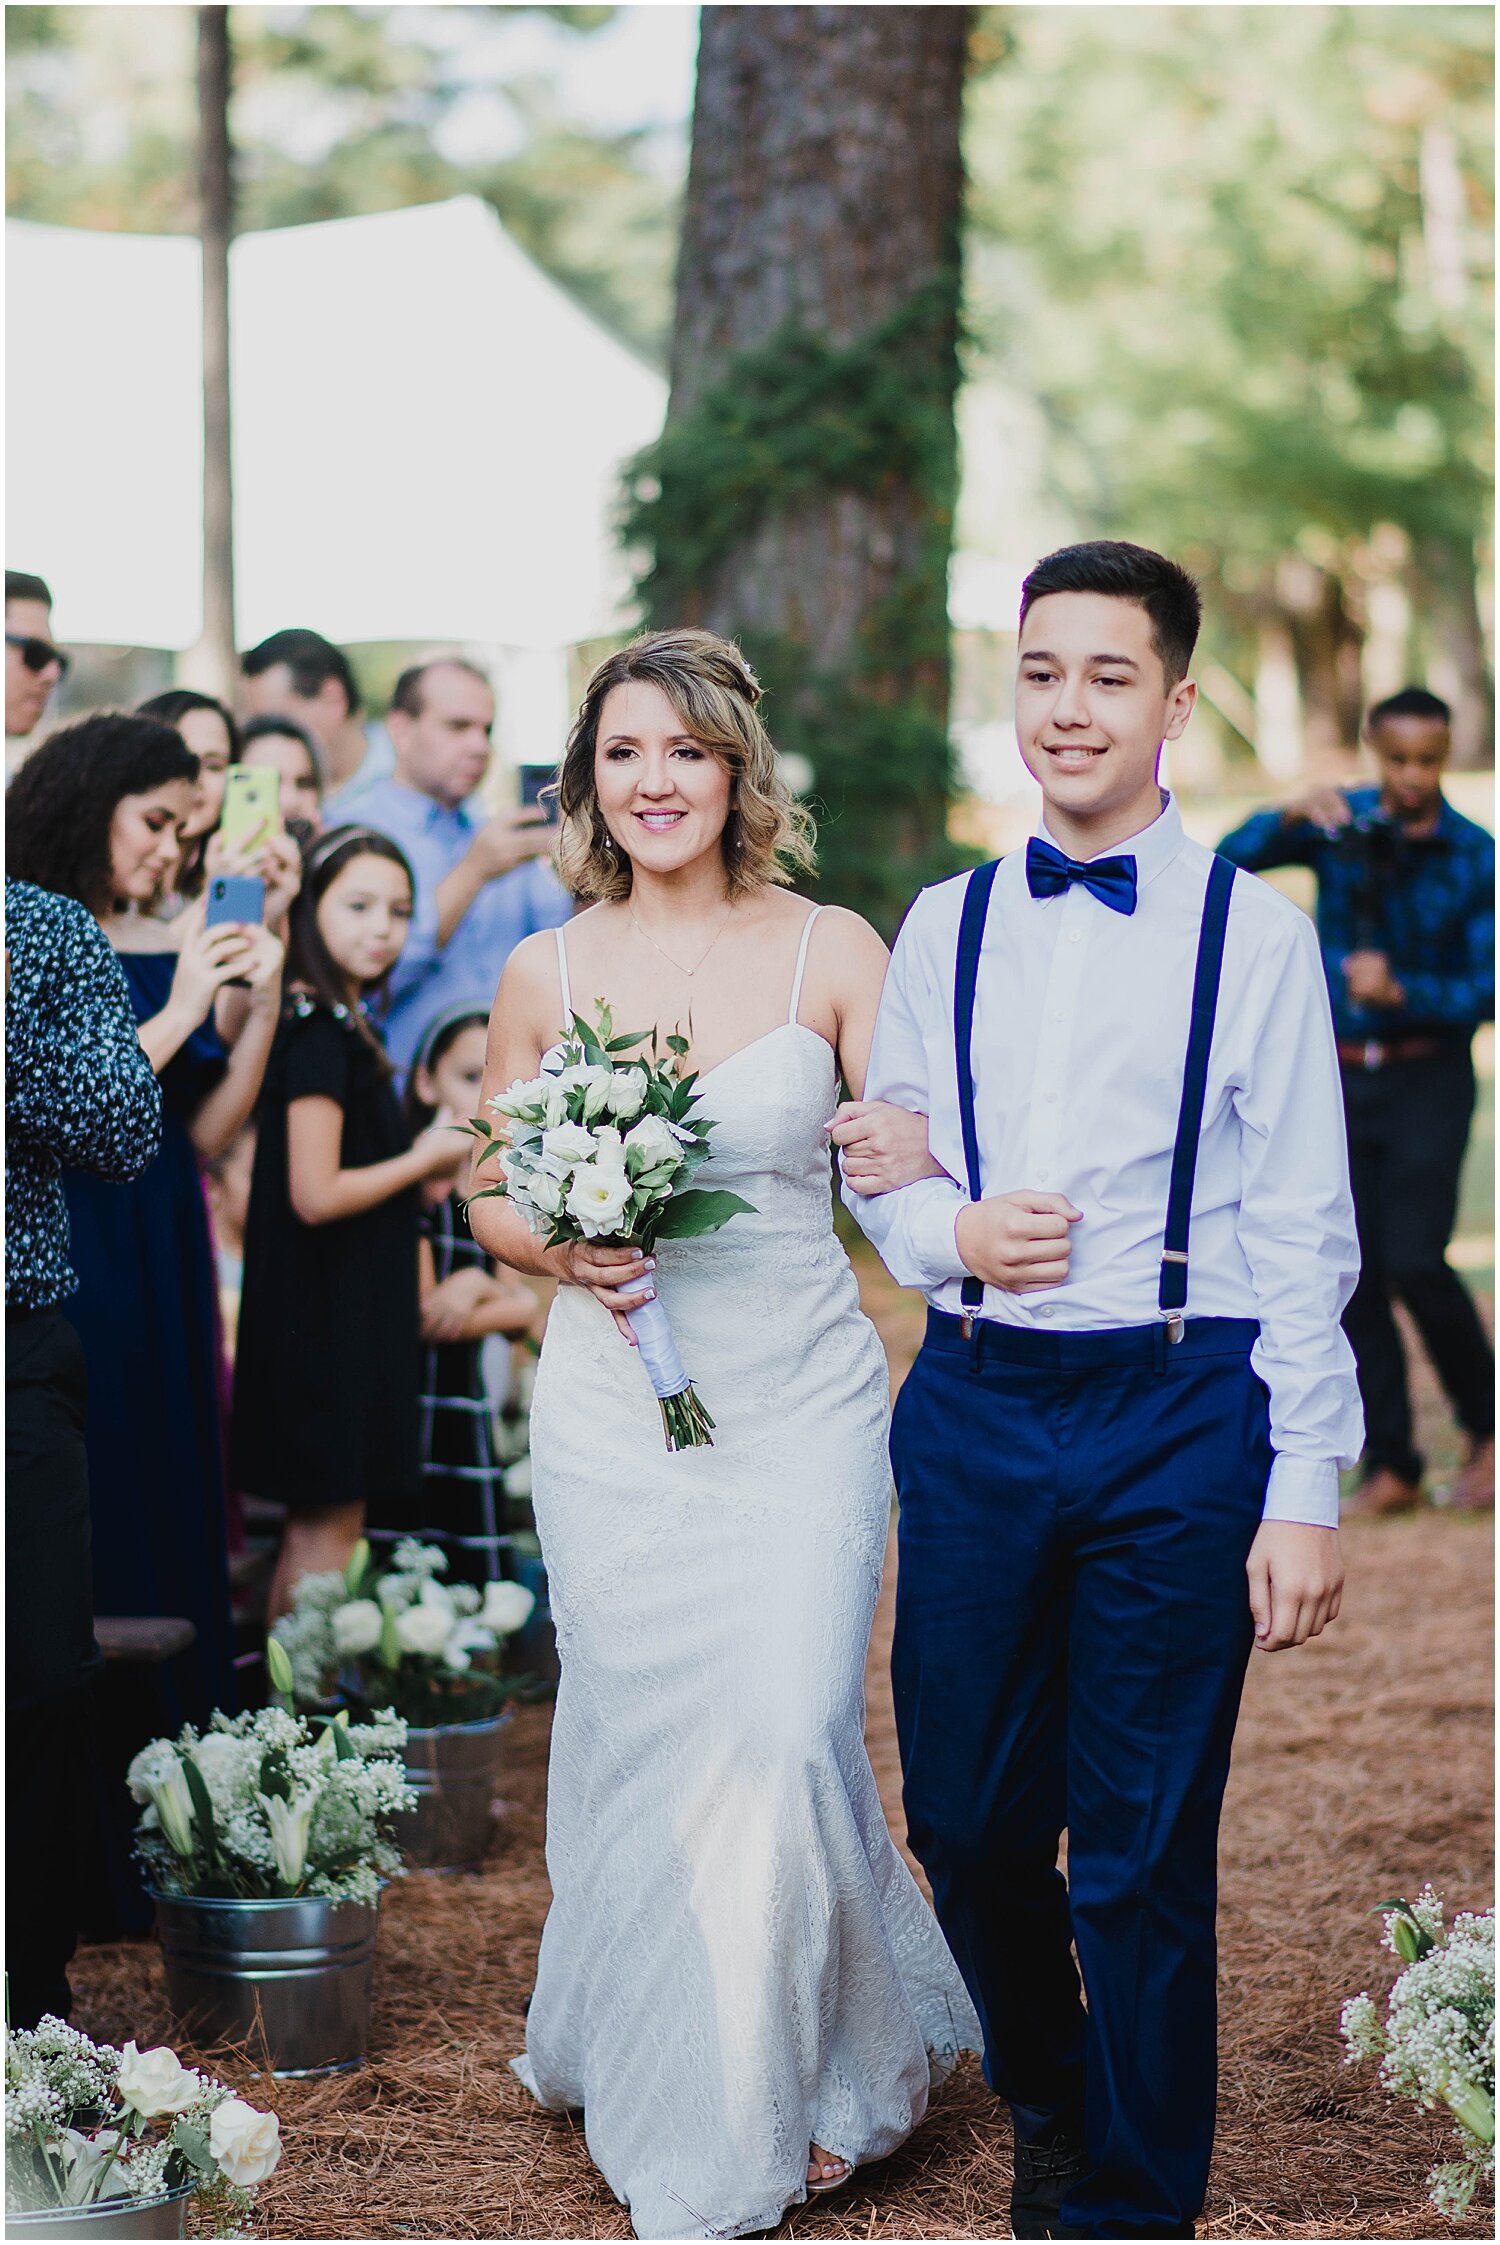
pixel 1364 1766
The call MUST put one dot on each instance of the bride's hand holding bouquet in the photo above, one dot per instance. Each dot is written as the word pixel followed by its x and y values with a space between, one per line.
pixel 597 1155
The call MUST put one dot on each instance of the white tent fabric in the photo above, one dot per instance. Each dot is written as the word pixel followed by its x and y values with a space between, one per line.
pixel 428 434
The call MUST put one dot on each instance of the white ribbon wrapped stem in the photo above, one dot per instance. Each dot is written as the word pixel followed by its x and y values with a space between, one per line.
pixel 653 1331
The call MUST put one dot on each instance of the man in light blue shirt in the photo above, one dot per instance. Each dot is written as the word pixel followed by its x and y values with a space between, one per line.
pixel 481 884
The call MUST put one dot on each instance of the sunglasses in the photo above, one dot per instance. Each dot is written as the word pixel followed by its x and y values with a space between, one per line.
pixel 37 654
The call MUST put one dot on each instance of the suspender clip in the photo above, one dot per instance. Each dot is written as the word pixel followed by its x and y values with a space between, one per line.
pixel 966 1326
pixel 1174 1324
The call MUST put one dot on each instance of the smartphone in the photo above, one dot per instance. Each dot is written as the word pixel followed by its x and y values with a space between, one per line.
pixel 252 805
pixel 235 899
pixel 534 778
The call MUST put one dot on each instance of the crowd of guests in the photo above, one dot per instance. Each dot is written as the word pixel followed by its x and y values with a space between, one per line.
pixel 295 1084
pixel 274 1104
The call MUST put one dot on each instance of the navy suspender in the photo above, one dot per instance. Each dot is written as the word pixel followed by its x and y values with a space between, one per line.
pixel 970 937
pixel 1172 1292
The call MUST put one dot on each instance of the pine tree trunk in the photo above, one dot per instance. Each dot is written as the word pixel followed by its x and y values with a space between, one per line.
pixel 215 224
pixel 821 232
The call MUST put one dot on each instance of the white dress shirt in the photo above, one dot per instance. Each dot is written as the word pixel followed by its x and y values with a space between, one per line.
pixel 1079 1045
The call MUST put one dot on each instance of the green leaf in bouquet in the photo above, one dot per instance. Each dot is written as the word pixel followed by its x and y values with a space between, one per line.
pixel 358 1567
pixel 192 2142
pixel 693 1215
pixel 678 1045
pixel 203 1812
pixel 649 1179
pixel 624 1044
pixel 593 1050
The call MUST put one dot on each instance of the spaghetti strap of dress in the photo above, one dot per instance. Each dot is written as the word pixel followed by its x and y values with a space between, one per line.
pixel 567 988
pixel 795 1006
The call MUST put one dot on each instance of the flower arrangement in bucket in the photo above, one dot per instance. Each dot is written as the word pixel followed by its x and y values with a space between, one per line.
pixel 263 1807
pixel 1436 2044
pixel 599 1147
pixel 401 1640
pixel 91 2127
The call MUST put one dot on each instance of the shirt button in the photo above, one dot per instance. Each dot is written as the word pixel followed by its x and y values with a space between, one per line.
pixel 1043 1175
pixel 1046 1310
pixel 1059 1015
pixel 1050 1097
pixel 1075 935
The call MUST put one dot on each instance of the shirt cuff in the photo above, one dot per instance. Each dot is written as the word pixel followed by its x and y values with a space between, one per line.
pixel 931 1230
pixel 1304 1490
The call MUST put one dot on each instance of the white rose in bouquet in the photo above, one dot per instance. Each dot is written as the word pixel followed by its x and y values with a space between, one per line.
pixel 246 2143
pixel 424 1629
pixel 356 1627
pixel 652 1140
pixel 568 1144
pixel 626 1093
pixel 544 1192
pixel 598 1198
pixel 507 1606
pixel 520 1099
pixel 153 2082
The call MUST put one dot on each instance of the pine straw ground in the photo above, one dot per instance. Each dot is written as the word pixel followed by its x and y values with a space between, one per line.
pixel 1363 1766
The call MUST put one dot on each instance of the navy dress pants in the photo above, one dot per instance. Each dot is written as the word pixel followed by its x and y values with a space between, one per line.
pixel 1072 1630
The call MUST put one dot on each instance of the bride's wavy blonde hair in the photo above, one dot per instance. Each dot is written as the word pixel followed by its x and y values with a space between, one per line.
pixel 768 836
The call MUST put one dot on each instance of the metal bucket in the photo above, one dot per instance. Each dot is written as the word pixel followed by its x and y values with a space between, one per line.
pixel 117 2217
pixel 454 1771
pixel 292 1980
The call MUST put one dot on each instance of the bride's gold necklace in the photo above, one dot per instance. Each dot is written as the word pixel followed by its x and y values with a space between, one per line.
pixel 677 963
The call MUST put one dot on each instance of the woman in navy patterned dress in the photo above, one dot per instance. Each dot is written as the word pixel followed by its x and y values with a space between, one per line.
pixel 97 813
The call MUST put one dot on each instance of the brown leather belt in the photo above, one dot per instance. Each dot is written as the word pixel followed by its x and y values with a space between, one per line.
pixel 1378 1052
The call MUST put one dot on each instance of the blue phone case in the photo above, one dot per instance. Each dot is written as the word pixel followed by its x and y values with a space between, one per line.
pixel 236 899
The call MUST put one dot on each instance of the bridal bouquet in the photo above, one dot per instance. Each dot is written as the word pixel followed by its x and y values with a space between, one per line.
pixel 1437 2042
pixel 262 1807
pixel 602 1148
pixel 402 1639
pixel 89 2125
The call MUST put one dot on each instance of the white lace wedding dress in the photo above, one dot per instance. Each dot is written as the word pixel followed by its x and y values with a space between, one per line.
pixel 737 1961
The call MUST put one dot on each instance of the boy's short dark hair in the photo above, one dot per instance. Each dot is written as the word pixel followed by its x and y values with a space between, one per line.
pixel 1124 572
pixel 1412 701
pixel 20 585
pixel 309 657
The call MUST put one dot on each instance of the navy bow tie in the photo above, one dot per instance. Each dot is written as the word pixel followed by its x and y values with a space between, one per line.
pixel 1110 879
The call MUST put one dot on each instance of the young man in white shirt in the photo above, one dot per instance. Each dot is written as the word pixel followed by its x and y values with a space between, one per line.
pixel 1118 1469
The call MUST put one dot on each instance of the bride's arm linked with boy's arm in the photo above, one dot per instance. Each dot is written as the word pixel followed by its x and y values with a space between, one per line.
pixel 922 1224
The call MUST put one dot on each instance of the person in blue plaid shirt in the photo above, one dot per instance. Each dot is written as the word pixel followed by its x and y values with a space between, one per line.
pixel 1406 899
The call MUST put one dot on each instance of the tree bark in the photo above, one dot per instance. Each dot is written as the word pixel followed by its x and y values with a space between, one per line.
pixel 215 224
pixel 823 200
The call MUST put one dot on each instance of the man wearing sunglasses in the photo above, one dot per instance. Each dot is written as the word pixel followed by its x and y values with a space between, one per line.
pixel 33 666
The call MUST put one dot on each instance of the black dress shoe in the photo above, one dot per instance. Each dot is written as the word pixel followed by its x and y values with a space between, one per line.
pixel 1045 2172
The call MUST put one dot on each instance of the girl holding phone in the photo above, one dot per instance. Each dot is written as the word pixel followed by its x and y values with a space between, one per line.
pixel 325 1393
pixel 209 847
pixel 100 812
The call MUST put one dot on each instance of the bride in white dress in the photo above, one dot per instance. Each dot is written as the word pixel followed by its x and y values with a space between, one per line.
pixel 740 1984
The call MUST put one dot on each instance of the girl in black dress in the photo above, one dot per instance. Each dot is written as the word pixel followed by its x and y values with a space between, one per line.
pixel 325 1391
pixel 463 1300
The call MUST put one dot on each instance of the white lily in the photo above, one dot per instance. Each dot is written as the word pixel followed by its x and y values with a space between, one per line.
pixel 291 1825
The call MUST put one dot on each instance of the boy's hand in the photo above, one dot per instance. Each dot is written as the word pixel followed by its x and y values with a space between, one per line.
pixel 1018 1241
pixel 1296 1582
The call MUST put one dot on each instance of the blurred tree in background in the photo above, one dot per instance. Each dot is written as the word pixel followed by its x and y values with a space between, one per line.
pixel 339 111
pixel 1228 272
pixel 802 495
pixel 1243 258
